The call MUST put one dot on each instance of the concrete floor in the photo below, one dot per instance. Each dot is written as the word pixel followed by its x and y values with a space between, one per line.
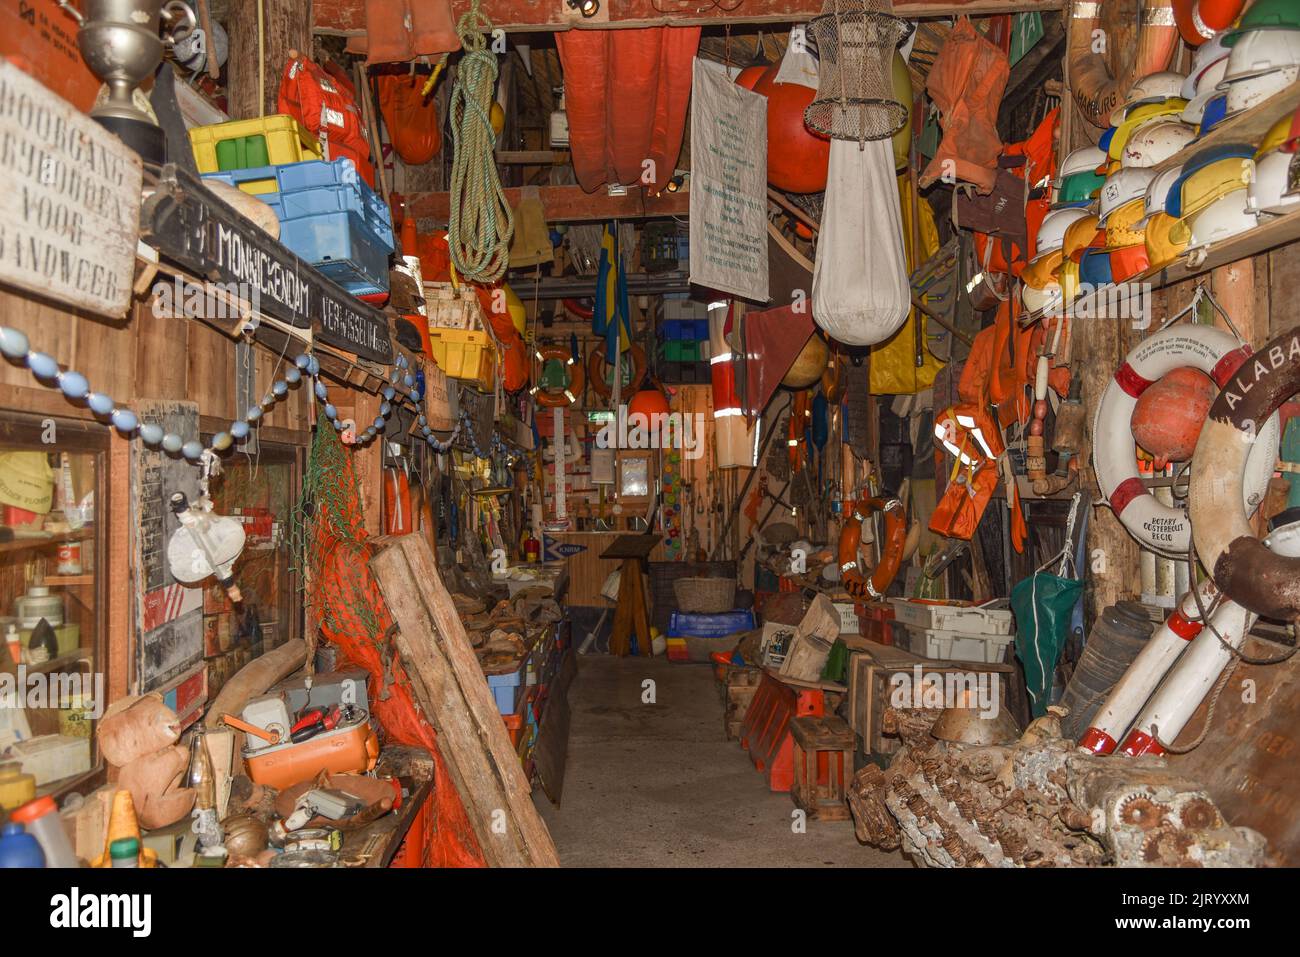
pixel 658 785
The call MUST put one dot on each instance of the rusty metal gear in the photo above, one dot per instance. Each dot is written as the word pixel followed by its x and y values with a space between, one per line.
pixel 1141 812
pixel 1199 814
pixel 1167 846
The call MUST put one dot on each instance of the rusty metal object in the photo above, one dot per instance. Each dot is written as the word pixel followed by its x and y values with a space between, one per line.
pixel 1038 802
pixel 970 726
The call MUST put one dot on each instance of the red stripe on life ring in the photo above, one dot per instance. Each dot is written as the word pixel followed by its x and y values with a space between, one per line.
pixel 1132 383
pixel 1227 367
pixel 1125 492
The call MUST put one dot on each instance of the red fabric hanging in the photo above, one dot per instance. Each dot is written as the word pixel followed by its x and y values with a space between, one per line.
pixel 412 119
pixel 626 92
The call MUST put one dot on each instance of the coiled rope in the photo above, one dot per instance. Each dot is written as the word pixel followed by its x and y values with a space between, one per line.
pixel 482 222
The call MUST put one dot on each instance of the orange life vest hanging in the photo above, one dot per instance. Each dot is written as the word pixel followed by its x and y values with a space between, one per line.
pixel 411 118
pixel 319 102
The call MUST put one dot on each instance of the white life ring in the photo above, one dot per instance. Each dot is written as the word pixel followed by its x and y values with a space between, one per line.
pixel 1163 528
pixel 1230 443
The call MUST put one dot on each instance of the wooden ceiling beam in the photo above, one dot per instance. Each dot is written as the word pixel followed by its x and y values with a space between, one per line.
pixel 569 204
pixel 348 17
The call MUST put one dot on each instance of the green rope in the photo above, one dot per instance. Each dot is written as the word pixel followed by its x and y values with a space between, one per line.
pixel 482 222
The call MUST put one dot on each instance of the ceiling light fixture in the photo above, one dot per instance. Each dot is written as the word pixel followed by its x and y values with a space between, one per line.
pixel 588 8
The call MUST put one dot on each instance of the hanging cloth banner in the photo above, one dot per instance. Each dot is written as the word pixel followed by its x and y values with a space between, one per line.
pixel 860 289
pixel 728 185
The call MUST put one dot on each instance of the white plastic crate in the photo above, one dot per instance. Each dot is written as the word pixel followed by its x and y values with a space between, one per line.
pixel 991 618
pixel 958 646
pixel 848 618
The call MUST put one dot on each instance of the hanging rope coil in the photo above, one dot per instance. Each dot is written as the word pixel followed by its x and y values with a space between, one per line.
pixel 482 222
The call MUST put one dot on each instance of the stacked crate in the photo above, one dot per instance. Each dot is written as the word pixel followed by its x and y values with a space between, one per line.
pixel 328 216
pixel 684 342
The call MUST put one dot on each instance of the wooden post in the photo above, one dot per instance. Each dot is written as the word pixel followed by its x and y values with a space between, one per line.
pixel 286 25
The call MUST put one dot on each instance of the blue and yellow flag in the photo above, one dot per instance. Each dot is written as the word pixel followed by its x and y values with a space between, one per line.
pixel 609 318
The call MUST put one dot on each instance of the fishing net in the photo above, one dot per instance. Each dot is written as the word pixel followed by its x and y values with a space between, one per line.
pixel 343 599
pixel 855 42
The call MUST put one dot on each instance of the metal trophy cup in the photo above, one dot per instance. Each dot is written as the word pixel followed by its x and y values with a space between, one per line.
pixel 121 43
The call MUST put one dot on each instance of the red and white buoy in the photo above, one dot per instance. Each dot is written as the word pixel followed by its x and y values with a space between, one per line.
pixel 1190 680
pixel 1143 675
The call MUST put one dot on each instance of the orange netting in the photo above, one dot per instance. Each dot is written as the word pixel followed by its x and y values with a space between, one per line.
pixel 345 599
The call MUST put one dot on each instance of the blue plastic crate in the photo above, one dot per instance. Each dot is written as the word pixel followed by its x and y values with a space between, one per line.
pixel 699 329
pixel 506 689
pixel 683 624
pixel 339 245
pixel 317 186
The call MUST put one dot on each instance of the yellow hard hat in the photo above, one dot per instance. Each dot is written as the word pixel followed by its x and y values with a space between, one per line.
pixel 1068 277
pixel 1122 229
pixel 1041 273
pixel 1213 181
pixel 1166 238
pixel 1080 235
pixel 1277 136
pixel 1138 116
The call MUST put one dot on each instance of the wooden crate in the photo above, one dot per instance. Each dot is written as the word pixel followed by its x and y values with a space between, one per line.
pixel 450 307
pixel 739 692
pixel 823 763
pixel 871 671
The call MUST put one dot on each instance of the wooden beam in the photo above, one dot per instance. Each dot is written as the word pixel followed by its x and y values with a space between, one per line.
pixel 348 17
pixel 449 687
pixel 533 157
pixel 284 28
pixel 569 204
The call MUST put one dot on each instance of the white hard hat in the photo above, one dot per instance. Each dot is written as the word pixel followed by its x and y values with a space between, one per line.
pixel 1195 108
pixel 1225 217
pixel 1122 186
pixel 1157 194
pixel 1083 160
pixel 1243 94
pixel 1268 185
pixel 1260 52
pixel 1155 142
pixel 1209 54
pixel 1050 297
pixel 1153 87
pixel 1051 232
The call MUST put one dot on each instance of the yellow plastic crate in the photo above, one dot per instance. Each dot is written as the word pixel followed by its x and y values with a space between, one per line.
pixel 465 354
pixel 248 144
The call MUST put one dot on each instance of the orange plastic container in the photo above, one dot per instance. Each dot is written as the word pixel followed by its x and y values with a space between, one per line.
pixel 350 749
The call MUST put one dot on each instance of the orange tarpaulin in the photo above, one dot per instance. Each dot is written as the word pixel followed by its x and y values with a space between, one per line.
pixel 626 92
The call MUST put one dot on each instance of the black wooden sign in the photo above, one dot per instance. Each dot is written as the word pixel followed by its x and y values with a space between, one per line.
pixel 193 228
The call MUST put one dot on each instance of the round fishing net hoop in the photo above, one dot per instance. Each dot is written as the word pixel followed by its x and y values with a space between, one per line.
pixel 855 41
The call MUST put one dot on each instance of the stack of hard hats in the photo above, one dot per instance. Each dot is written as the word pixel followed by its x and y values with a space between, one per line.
pixel 1040 289
pixel 1078 179
pixel 1209 63
pixel 1210 194
pixel 1264 54
pixel 1164 236
pixel 1268 190
pixel 1121 210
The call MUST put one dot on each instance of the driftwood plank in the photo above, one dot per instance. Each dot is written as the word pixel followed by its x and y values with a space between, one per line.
pixel 449 686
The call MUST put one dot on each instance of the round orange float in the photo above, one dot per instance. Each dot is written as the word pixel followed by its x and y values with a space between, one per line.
pixel 796 157
pixel 1168 416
